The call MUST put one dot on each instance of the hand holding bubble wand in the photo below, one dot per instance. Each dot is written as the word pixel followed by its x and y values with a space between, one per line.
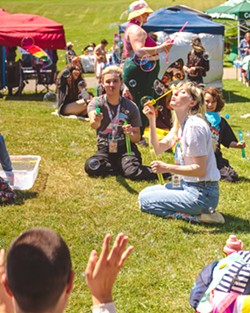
pixel 127 138
pixel 154 157
pixel 151 147
pixel 172 41
pixel 97 109
pixel 243 154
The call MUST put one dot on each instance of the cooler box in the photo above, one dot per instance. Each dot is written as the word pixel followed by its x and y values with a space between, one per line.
pixel 25 169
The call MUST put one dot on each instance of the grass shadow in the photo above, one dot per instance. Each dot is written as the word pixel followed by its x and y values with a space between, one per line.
pixel 232 96
pixel 244 179
pixel 22 196
pixel 233 224
pixel 121 180
pixel 26 97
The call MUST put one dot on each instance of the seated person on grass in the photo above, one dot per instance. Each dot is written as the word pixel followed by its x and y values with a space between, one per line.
pixel 39 275
pixel 108 114
pixel 222 133
pixel 72 96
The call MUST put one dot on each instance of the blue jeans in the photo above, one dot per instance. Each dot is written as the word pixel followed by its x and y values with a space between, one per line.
pixel 4 156
pixel 190 198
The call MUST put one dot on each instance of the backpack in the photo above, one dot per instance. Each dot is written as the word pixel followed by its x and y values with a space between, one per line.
pixel 223 286
pixel 7 195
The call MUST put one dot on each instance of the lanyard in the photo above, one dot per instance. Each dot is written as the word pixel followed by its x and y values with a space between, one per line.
pixel 178 152
pixel 114 120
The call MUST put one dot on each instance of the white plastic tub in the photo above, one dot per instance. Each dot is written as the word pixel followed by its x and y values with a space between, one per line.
pixel 25 169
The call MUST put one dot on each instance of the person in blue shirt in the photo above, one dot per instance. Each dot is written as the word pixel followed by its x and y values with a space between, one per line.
pixel 245 45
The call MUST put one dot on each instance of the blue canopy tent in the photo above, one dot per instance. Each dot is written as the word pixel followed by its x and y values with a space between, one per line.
pixel 171 19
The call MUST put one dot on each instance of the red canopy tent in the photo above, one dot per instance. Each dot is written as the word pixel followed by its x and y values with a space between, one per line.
pixel 46 33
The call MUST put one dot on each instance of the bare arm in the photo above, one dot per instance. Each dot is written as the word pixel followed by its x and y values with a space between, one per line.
pixel 196 169
pixel 237 145
pixel 159 146
pixel 137 37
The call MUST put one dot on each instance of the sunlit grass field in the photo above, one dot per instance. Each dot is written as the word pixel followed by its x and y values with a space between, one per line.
pixel 168 254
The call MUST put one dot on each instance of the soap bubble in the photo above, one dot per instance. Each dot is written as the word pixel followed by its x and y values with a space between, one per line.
pixel 206 56
pixel 66 73
pixel 132 83
pixel 27 43
pixel 94 164
pixel 160 108
pixel 81 84
pixel 159 87
pixel 145 99
pixel 50 97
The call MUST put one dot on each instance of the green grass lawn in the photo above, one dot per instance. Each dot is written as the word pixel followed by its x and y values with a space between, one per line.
pixel 168 254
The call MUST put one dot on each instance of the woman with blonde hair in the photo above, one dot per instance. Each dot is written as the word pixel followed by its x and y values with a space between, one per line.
pixel 194 189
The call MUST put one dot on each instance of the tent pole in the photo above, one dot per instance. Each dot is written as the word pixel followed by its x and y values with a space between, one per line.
pixel 238 37
pixel 3 66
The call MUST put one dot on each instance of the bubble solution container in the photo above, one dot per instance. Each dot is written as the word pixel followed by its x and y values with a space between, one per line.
pixel 25 169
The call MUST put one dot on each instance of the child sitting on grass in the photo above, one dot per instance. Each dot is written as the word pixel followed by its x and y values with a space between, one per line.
pixel 222 133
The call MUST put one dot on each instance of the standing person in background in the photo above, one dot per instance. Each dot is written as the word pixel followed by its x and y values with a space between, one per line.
pixel 194 189
pixel 244 47
pixel 70 53
pixel 117 49
pixel 139 50
pixel 222 133
pixel 197 62
pixel 100 54
pixel 89 49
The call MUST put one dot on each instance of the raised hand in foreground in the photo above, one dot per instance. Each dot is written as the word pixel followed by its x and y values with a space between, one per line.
pixel 101 272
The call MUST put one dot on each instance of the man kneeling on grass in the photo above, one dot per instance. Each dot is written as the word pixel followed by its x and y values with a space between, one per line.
pixel 39 275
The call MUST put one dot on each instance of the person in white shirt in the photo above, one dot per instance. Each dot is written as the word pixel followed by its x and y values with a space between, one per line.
pixel 194 189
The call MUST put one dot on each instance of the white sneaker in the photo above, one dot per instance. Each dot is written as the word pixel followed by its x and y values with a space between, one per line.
pixel 213 218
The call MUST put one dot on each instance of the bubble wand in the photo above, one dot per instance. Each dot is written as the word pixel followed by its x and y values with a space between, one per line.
pixel 97 109
pixel 154 157
pixel 172 41
pixel 127 138
pixel 153 101
pixel 243 154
